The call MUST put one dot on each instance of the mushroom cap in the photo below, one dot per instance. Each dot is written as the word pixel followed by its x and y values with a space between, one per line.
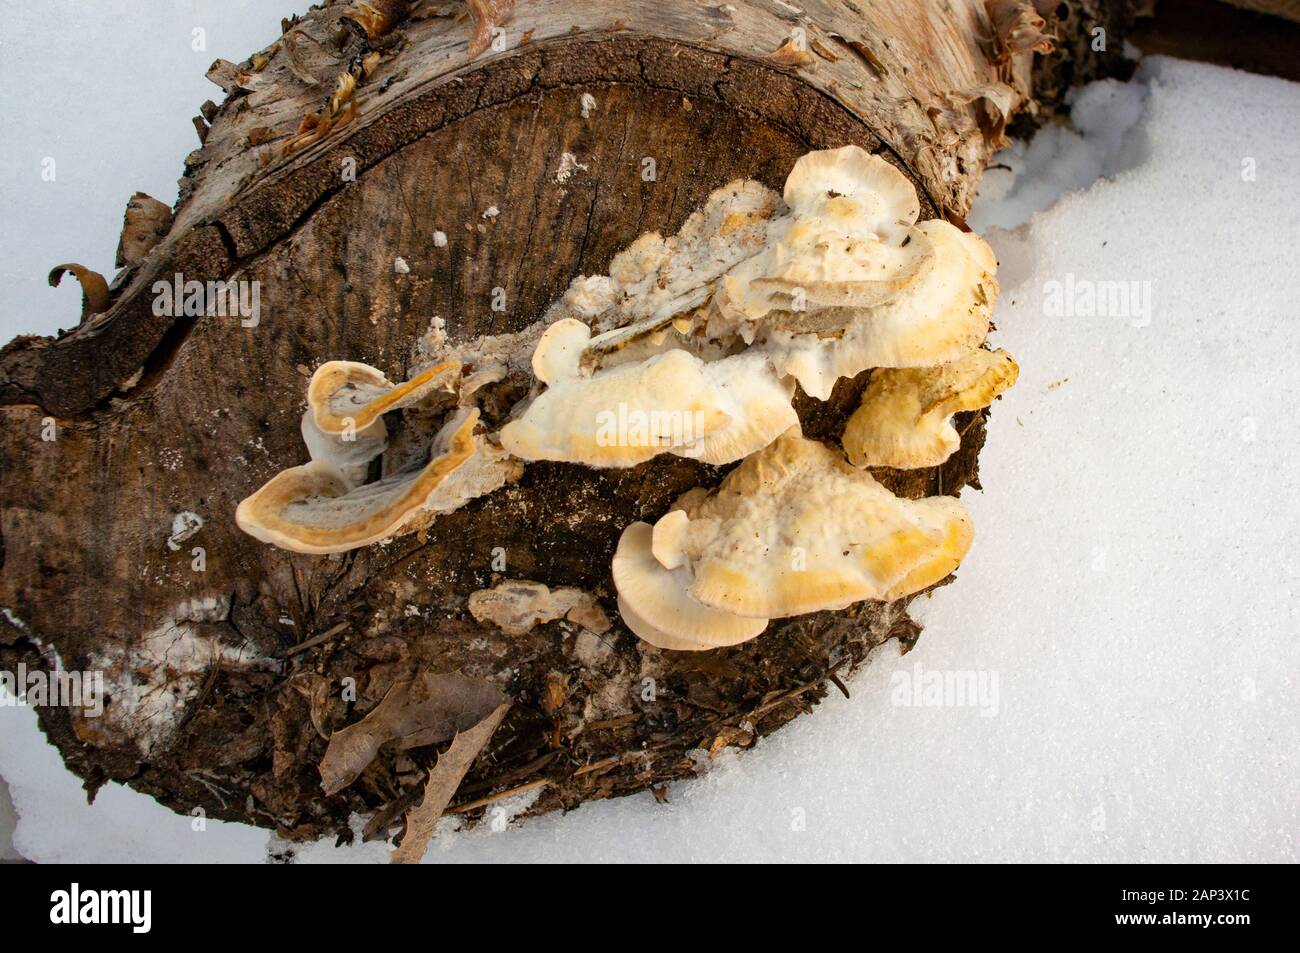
pixel 863 193
pixel 834 271
pixel 757 403
pixel 937 319
pixel 618 417
pixel 668 539
pixel 656 607
pixel 559 351
pixel 314 509
pixel 795 529
pixel 347 395
pixel 905 418
pixel 830 257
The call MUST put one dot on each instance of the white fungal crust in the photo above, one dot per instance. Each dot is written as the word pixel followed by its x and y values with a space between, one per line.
pixel 516 606
pixel 315 509
pixel 905 417
pixel 792 530
pixel 666 276
pixel 655 605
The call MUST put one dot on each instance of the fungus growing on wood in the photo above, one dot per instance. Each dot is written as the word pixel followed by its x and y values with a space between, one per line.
pixel 351 456
pixel 671 402
pixel 315 508
pixel 517 605
pixel 657 276
pixel 905 418
pixel 792 530
pixel 848 280
pixel 656 606
pixel 346 396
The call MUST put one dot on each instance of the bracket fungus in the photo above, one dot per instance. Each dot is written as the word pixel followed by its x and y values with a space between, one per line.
pixel 348 396
pixel 717 412
pixel 326 506
pixel 905 418
pixel 315 508
pixel 792 530
pixel 692 345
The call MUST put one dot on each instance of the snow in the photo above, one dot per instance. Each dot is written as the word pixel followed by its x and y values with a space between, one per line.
pixel 1113 675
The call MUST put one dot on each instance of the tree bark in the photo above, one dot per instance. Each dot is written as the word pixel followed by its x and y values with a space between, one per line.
pixel 153 416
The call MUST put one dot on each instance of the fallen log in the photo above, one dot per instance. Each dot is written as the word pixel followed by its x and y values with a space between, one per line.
pixel 379 170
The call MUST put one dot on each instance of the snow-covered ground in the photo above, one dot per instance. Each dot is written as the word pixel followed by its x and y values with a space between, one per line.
pixel 1128 614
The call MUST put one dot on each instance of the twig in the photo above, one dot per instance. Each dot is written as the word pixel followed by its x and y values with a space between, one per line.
pixel 500 795
pixel 316 639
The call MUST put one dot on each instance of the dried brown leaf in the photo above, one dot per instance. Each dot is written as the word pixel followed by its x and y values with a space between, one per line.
pixel 444 779
pixel 424 709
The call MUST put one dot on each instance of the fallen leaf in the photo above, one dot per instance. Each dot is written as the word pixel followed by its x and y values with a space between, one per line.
pixel 424 709
pixel 444 779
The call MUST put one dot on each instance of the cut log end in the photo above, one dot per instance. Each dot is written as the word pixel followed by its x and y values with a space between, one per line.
pixel 495 183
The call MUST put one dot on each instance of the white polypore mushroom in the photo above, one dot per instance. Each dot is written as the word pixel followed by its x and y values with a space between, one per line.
pixel 314 508
pixel 941 317
pixel 560 350
pixel 905 418
pixel 347 396
pixel 868 195
pixel 655 605
pixel 350 452
pixel 619 417
pixel 795 529
pixel 673 402
pixel 847 240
